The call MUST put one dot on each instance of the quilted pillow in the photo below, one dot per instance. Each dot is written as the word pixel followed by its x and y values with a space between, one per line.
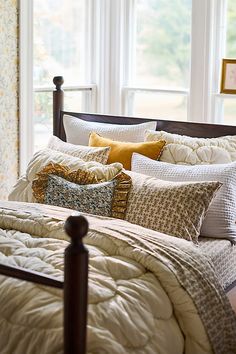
pixel 174 208
pixel 78 130
pixel 83 152
pixel 22 191
pixel 122 151
pixel 181 149
pixel 221 216
pixel 80 190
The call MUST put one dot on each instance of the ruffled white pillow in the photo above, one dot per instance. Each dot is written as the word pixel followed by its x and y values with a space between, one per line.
pixel 22 191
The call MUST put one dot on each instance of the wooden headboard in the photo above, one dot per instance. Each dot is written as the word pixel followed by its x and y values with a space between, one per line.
pixel 200 130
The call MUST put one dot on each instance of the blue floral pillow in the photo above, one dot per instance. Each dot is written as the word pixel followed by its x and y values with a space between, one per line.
pixel 91 198
pixel 80 190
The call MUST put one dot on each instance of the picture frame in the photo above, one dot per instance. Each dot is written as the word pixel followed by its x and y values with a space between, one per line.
pixel 228 76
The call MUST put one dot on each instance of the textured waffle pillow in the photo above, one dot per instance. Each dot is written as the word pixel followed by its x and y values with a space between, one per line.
pixel 122 151
pixel 80 190
pixel 22 191
pixel 173 208
pixel 221 216
pixel 78 130
pixel 181 149
pixel 83 152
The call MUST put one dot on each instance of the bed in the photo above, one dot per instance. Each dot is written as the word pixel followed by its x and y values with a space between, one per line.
pixel 130 266
pixel 222 253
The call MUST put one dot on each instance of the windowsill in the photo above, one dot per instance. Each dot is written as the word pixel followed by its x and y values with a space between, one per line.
pixel 225 95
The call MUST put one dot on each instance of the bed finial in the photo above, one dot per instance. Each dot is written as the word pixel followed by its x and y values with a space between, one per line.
pixel 58 82
pixel 76 226
pixel 58 104
pixel 75 286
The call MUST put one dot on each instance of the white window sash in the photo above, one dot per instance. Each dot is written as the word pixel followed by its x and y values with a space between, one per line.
pixel 207 47
pixel 26 83
pixel 218 52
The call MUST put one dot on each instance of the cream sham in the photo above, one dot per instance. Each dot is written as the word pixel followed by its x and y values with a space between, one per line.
pixel 185 150
pixel 22 191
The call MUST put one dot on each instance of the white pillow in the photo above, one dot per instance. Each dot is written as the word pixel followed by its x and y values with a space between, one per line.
pixel 78 131
pixel 86 153
pixel 185 150
pixel 22 191
pixel 221 216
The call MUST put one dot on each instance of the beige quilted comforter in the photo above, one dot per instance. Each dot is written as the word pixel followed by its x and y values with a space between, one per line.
pixel 148 292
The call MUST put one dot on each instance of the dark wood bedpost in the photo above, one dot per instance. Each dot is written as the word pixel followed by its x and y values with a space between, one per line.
pixel 58 103
pixel 75 287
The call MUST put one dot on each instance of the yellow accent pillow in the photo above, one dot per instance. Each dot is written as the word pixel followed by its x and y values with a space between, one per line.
pixel 122 151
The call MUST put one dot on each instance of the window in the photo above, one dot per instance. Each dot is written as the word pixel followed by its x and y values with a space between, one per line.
pixel 162 45
pixel 59 48
pixel 151 58
pixel 229 105
pixel 231 33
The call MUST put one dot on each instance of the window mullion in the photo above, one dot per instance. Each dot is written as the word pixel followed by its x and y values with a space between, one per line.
pixel 200 86
pixel 26 83
pixel 219 43
pixel 129 53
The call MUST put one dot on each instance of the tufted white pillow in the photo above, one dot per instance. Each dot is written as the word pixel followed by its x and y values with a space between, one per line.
pixel 86 153
pixel 78 130
pixel 221 215
pixel 185 150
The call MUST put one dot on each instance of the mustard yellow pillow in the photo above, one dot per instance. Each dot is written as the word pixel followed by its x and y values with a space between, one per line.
pixel 122 151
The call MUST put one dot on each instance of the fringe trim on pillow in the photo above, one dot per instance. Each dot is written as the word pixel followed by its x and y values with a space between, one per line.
pixel 39 184
pixel 81 177
pixel 120 197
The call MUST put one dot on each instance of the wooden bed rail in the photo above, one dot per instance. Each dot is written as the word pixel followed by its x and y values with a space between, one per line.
pixel 75 284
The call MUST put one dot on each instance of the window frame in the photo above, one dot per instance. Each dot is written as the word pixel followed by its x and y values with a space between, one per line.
pixel 110 50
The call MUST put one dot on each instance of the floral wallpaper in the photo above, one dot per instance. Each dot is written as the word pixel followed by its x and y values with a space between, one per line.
pixel 8 95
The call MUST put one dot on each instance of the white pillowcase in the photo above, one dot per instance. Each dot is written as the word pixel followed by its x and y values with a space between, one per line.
pixel 221 216
pixel 185 150
pixel 22 191
pixel 86 153
pixel 78 130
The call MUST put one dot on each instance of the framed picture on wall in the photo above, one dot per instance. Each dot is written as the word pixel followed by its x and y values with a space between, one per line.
pixel 228 78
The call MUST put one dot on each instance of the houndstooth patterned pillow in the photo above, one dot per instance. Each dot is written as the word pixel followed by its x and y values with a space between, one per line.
pixel 220 219
pixel 173 208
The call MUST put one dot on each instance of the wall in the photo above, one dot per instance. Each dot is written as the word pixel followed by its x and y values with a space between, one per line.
pixel 8 95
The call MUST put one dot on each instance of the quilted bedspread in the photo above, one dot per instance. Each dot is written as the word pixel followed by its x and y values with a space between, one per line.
pixel 148 292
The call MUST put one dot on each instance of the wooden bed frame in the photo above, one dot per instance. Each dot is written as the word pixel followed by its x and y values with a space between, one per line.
pixel 75 284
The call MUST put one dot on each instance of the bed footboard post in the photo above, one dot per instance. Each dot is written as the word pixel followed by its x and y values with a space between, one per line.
pixel 58 103
pixel 75 287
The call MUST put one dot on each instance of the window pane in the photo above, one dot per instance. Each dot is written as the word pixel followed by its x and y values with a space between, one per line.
pixel 163 43
pixel 231 32
pixel 74 99
pixel 58 41
pixel 42 119
pixel 230 111
pixel 160 106
pixel 43 124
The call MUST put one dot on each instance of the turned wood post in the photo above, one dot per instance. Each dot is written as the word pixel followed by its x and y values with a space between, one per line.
pixel 75 287
pixel 58 103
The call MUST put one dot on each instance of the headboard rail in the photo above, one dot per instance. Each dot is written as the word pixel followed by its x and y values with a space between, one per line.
pixel 200 130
